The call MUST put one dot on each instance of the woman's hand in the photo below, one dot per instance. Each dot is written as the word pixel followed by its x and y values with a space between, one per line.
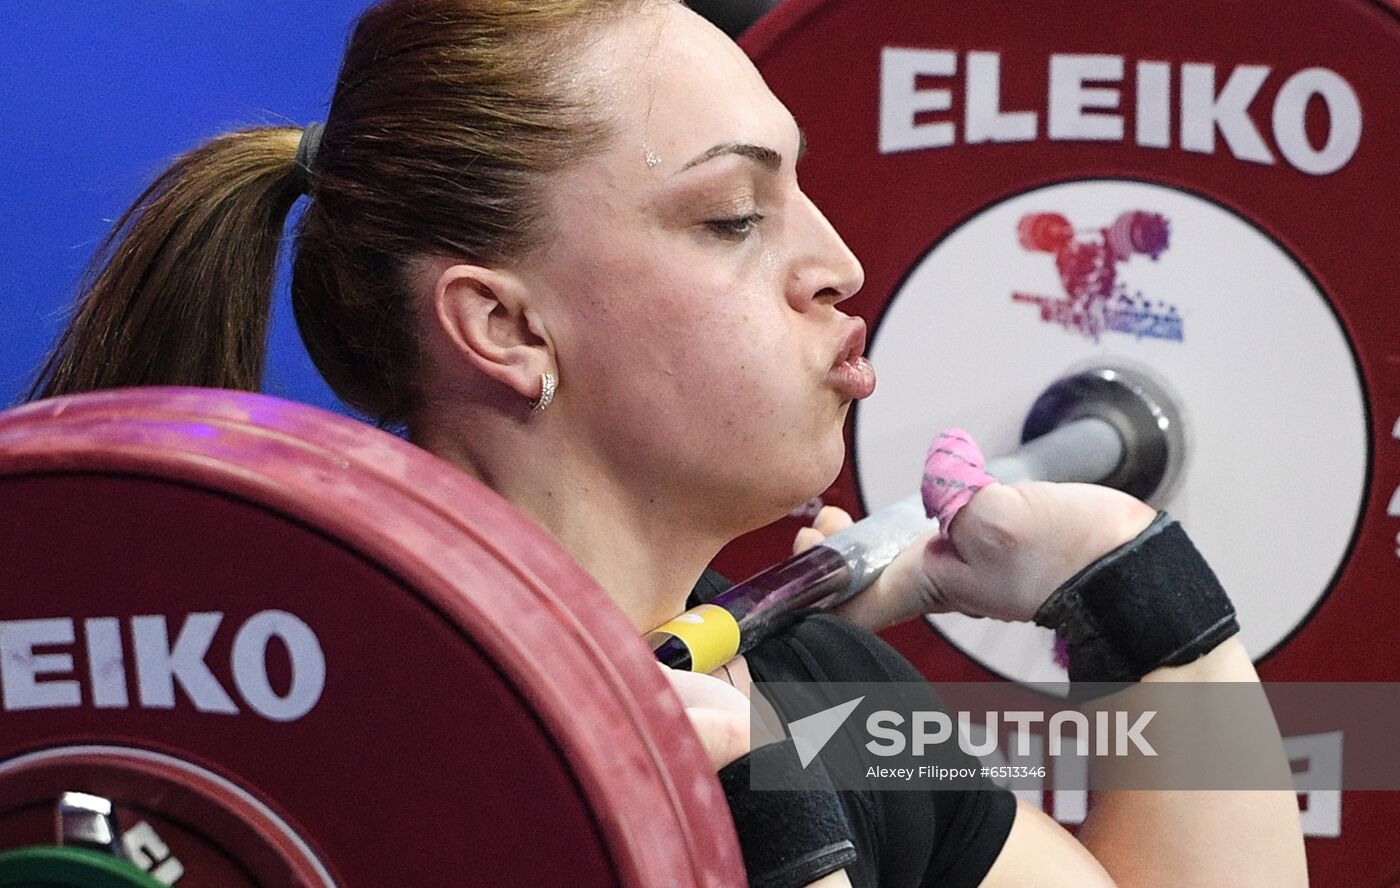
pixel 718 711
pixel 1007 550
pixel 1014 544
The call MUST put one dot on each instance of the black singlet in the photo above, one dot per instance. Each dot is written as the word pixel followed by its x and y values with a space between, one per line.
pixel 903 839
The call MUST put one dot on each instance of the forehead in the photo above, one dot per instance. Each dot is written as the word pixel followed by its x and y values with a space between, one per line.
pixel 677 86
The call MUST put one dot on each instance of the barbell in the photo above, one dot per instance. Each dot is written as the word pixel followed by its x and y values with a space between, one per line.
pixel 1107 425
pixel 246 642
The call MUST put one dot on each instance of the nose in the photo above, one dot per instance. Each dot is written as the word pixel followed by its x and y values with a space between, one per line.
pixel 824 270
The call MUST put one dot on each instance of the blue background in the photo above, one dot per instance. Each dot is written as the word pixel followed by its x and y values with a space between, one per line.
pixel 95 99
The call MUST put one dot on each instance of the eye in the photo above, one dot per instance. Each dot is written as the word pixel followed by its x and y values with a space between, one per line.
pixel 737 228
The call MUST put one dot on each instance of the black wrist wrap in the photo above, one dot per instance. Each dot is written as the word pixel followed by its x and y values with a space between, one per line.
pixel 1151 602
pixel 789 837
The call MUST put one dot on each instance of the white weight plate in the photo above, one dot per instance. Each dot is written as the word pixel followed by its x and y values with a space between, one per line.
pixel 1265 376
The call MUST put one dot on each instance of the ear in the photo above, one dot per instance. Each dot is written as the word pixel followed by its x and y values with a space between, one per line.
pixel 487 316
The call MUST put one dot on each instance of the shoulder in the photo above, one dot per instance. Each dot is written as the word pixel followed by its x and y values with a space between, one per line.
pixel 815 646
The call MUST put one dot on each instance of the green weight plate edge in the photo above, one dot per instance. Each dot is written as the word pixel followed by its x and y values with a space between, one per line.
pixel 54 867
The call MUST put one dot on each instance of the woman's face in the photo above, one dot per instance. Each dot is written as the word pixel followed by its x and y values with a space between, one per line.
pixel 692 289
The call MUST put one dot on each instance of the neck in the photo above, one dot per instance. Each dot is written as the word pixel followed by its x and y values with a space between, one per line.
pixel 641 546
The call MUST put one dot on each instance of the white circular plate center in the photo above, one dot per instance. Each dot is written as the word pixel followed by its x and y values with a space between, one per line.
pixel 1275 473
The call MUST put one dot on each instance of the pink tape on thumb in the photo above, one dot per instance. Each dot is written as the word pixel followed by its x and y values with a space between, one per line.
pixel 953 472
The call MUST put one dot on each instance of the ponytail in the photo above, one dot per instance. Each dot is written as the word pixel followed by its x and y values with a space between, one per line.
pixel 180 292
pixel 181 289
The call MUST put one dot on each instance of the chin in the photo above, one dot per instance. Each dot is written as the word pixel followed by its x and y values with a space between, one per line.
pixel 822 471
pixel 792 479
pixel 762 501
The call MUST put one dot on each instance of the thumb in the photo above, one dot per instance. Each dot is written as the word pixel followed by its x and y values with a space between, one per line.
pixel 830 520
pixel 806 538
pixel 952 583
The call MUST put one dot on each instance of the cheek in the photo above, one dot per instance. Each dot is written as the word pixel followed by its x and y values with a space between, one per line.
pixel 666 325
pixel 745 356
pixel 709 379
pixel 688 326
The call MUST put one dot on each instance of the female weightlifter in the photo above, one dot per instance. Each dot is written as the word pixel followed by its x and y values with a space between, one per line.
pixel 562 244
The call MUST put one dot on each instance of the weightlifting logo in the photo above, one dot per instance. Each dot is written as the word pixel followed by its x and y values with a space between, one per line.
pixel 1095 299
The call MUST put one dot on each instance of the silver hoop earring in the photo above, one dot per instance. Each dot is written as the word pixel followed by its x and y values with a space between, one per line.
pixel 548 383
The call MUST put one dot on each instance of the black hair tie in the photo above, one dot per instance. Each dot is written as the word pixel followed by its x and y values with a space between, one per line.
pixel 307 149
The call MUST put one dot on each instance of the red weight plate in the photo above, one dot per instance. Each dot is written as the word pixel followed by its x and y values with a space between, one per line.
pixel 411 681
pixel 178 822
pixel 1200 189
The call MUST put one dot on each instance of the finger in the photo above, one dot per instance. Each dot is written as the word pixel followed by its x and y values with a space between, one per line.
pixel 736 673
pixel 724 735
pixel 943 549
pixel 806 538
pixel 900 592
pixel 989 526
pixel 706 691
pixel 954 584
pixel 832 519
pixel 953 472
pixel 765 725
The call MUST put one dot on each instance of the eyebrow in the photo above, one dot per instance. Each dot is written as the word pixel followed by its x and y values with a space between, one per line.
pixel 766 157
